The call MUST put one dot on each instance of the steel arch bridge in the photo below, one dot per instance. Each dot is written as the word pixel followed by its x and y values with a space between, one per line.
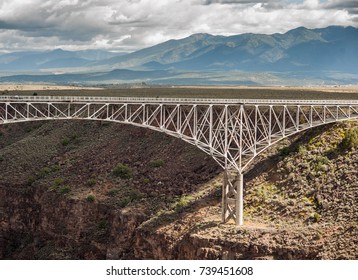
pixel 232 131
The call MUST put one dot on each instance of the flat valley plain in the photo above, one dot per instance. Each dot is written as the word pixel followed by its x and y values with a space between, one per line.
pixel 314 93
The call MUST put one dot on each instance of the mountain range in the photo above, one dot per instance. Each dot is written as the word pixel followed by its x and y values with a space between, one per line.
pixel 58 58
pixel 315 55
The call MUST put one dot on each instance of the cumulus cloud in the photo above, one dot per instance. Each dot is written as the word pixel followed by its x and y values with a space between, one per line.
pixel 134 24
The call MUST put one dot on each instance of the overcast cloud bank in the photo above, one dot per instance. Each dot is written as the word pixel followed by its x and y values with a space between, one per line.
pixel 129 25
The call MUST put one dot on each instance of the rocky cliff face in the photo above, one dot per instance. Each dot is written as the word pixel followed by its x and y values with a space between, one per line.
pixel 87 190
pixel 81 189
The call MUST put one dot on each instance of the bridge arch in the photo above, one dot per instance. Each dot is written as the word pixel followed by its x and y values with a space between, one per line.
pixel 232 131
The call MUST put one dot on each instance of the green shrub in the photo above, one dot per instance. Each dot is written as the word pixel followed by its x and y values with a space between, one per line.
pixel 317 217
pixel 90 198
pixel 60 187
pixel 58 182
pixel 102 225
pixel 31 180
pixel 285 151
pixel 122 171
pixel 55 168
pixel 64 189
pixel 130 196
pixel 182 203
pixel 321 161
pixel 91 182
pixel 123 202
pixel 157 163
pixel 302 150
pixel 65 142
pixel 112 192
pixel 44 172
pixel 134 195
pixel 350 139
pixel 73 139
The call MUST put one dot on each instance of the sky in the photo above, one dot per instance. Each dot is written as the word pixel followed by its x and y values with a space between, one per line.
pixel 128 25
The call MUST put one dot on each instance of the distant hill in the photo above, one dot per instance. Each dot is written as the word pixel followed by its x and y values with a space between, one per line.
pixel 98 77
pixel 328 49
pixel 39 60
pixel 299 56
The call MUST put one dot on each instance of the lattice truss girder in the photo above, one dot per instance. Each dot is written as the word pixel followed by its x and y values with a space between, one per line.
pixel 232 134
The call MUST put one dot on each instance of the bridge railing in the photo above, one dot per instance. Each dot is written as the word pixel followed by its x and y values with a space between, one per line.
pixel 173 100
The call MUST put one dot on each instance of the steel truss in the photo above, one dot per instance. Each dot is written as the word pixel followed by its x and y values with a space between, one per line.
pixel 232 131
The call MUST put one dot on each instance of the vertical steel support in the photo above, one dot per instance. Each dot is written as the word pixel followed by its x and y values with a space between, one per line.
pixel 284 121
pixel 126 112
pixel 178 128
pixel 239 204
pixel 241 135
pixel 298 118
pixel 232 205
pixel 239 186
pixel 270 124
pixel 48 110
pixel 255 130
pixel 232 190
pixel 226 147
pixel 161 122
pixel 179 117
pixel 211 128
pixel 225 190
pixel 144 114
pixel 6 110
pixel 195 121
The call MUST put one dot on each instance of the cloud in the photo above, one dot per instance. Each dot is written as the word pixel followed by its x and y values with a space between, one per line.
pixel 134 24
pixel 235 2
pixel 349 5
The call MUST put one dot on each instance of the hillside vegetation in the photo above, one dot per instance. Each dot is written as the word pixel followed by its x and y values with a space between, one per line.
pixel 93 190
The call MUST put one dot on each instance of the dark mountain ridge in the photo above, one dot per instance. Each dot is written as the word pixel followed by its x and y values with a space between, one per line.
pixel 301 49
pixel 324 55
